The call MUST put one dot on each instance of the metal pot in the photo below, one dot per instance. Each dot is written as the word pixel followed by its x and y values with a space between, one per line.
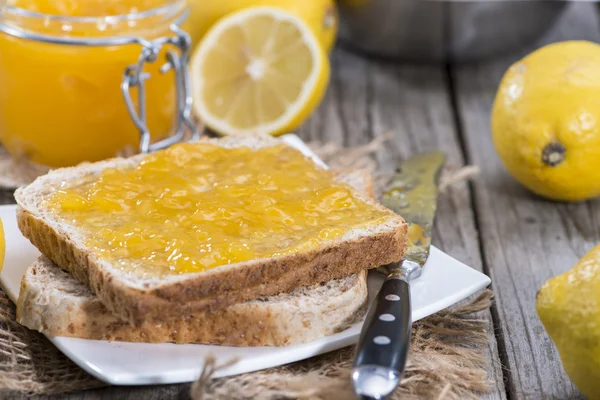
pixel 444 30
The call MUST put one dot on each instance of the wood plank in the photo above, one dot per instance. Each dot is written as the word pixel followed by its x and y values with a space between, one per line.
pixel 413 102
pixel 525 239
pixel 342 117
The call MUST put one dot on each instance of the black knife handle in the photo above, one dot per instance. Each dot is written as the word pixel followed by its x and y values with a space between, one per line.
pixel 385 337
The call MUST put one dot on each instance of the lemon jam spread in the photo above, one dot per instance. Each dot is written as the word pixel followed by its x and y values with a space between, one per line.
pixel 198 206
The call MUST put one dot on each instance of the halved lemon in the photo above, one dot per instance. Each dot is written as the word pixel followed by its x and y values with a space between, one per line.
pixel 259 70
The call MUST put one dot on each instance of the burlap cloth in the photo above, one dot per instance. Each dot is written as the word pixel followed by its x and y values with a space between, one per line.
pixel 447 359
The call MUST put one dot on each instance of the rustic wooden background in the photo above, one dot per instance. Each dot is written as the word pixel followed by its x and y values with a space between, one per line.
pixel 491 224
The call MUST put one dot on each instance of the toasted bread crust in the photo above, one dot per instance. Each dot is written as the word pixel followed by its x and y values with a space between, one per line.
pixel 217 290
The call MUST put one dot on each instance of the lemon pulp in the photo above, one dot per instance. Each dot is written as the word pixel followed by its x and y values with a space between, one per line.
pixel 260 70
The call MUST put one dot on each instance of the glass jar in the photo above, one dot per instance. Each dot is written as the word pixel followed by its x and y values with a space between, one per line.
pixel 63 79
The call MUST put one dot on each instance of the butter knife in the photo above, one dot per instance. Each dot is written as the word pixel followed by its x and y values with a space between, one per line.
pixel 385 337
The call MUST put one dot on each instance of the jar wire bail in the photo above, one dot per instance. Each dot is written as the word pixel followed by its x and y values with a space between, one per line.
pixel 176 59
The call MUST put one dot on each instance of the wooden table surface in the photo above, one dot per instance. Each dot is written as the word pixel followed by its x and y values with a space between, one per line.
pixel 491 224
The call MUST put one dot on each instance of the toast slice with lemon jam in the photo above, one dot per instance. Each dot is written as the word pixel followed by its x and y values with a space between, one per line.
pixel 201 226
pixel 53 302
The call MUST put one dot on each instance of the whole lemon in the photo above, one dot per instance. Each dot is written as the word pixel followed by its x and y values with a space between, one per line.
pixel 320 15
pixel 569 307
pixel 546 121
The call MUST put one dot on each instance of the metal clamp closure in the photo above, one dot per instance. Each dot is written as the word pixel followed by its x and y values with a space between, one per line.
pixel 176 59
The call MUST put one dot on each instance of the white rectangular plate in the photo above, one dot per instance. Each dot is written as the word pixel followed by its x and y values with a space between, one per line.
pixel 444 281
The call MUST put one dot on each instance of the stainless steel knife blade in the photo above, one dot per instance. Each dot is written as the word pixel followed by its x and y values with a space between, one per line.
pixel 383 345
pixel 413 193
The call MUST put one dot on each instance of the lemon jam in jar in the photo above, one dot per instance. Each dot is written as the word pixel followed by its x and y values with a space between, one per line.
pixel 62 66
